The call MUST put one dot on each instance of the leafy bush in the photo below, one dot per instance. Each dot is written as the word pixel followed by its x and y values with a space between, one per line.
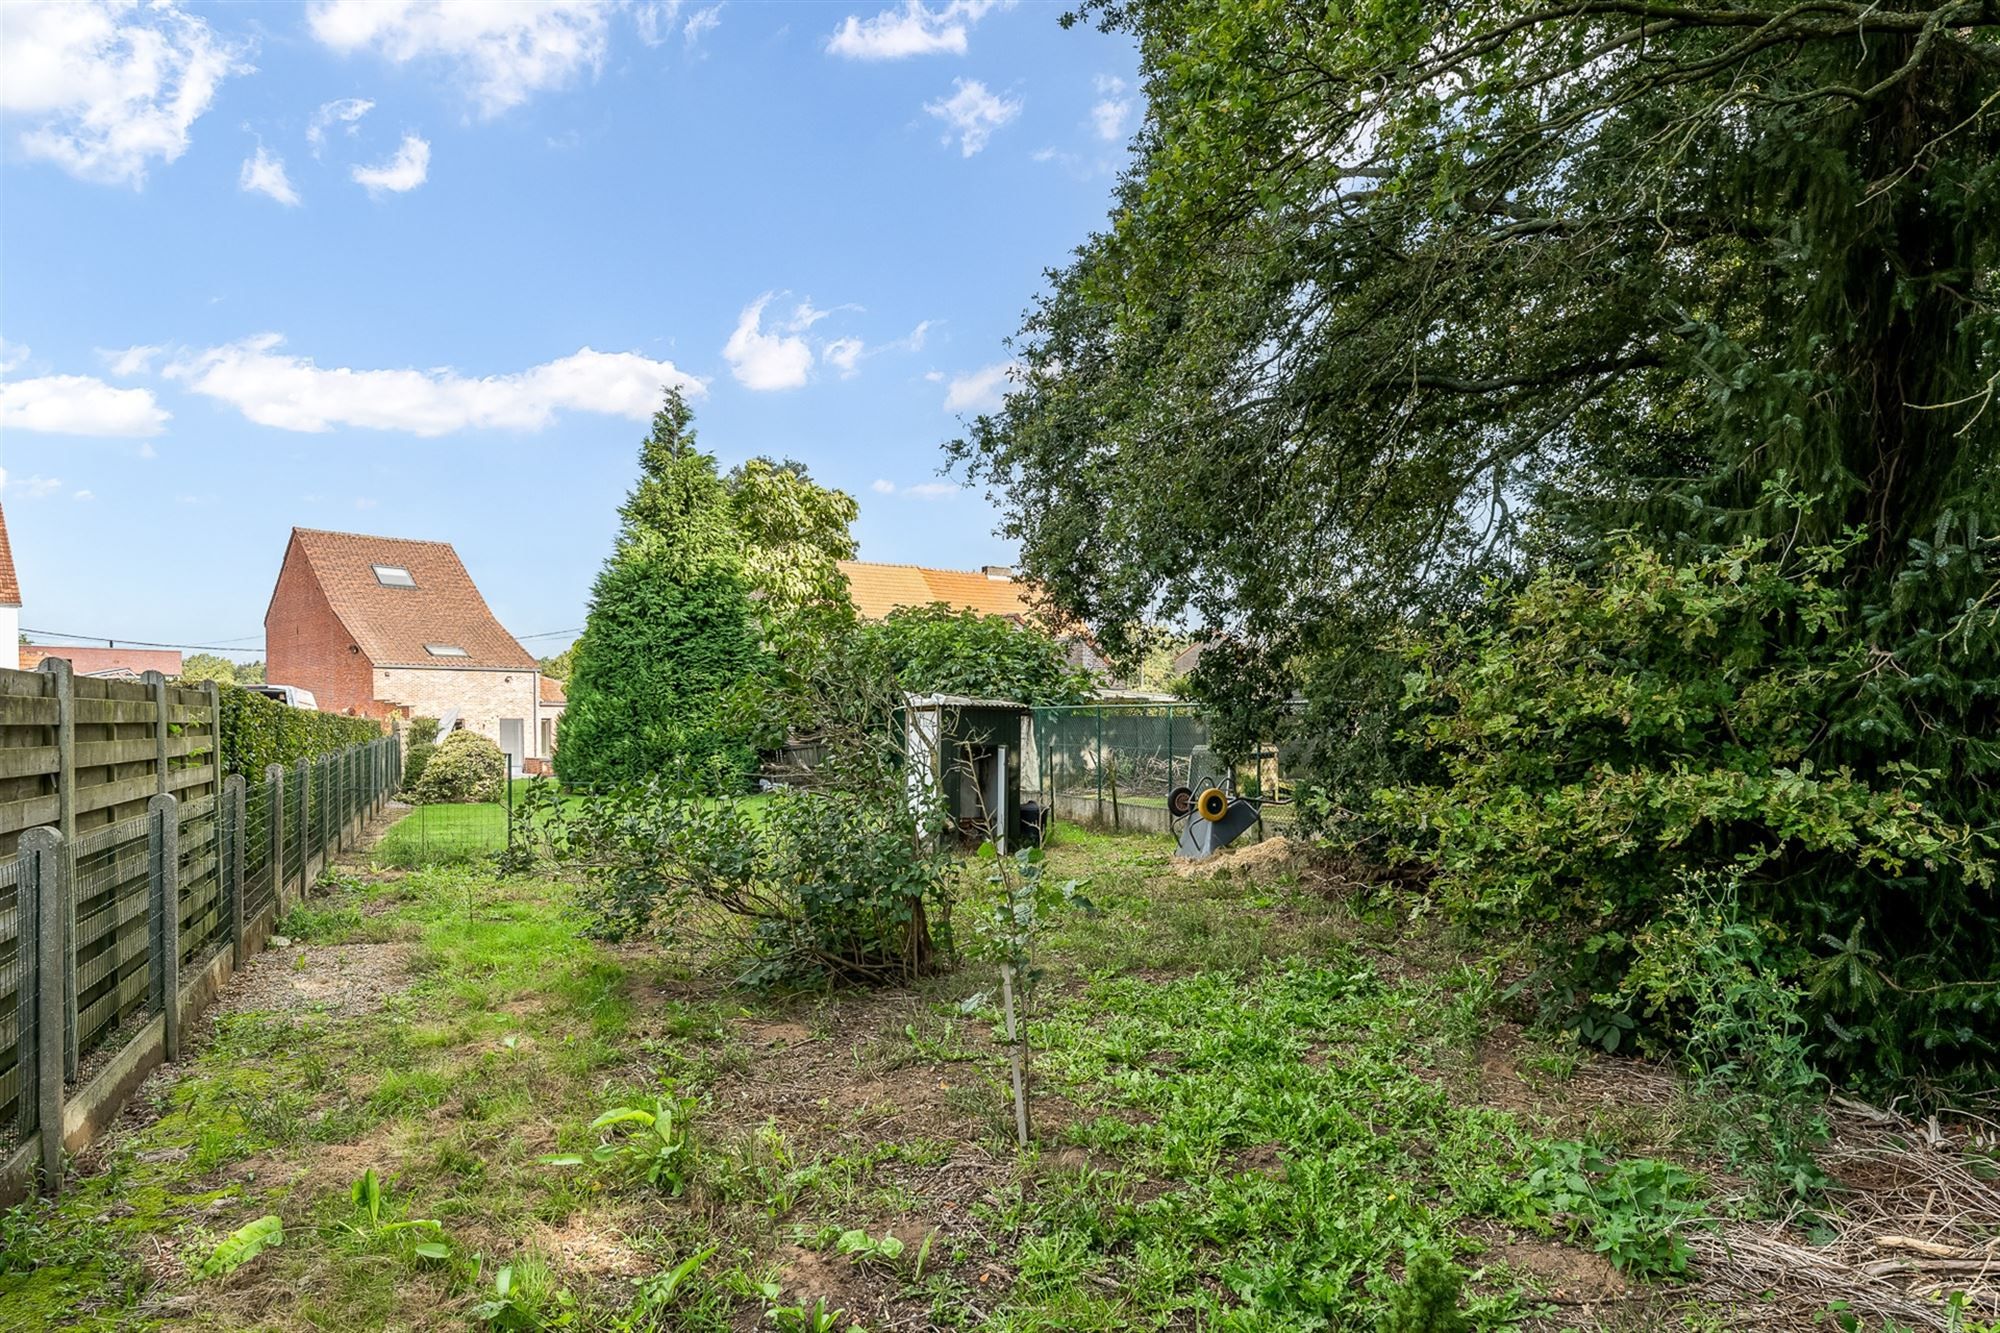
pixel 1619 728
pixel 419 744
pixel 822 883
pixel 465 767
pixel 937 650
pixel 258 731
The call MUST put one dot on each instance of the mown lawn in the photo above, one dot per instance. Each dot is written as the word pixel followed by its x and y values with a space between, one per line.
pixel 440 834
pixel 1257 1100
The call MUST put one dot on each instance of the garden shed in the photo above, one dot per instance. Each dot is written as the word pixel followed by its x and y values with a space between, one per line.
pixel 966 753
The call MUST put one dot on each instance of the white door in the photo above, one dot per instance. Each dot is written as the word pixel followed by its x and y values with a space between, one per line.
pixel 513 733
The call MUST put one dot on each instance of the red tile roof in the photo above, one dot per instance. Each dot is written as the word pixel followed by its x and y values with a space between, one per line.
pixel 10 586
pixel 552 691
pixel 393 626
pixel 878 589
pixel 95 661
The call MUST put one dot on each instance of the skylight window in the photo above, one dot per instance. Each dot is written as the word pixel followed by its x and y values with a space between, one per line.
pixel 445 650
pixel 393 576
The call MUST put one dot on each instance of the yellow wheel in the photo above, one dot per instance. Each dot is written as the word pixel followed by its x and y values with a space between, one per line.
pixel 1212 804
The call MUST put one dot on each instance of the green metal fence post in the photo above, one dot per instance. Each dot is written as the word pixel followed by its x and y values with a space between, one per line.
pixel 229 872
pixel 305 824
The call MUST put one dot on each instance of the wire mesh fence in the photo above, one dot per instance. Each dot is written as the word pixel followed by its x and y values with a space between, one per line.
pixel 1116 764
pixel 447 834
pixel 17 1014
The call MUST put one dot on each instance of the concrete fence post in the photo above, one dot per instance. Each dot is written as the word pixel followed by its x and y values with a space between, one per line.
pixel 42 898
pixel 65 689
pixel 230 870
pixel 163 866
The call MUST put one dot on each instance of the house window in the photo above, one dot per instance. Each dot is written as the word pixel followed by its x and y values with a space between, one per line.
pixel 445 650
pixel 393 576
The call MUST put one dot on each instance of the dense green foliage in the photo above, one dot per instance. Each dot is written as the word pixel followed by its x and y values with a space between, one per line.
pixel 937 650
pixel 465 766
pixel 198 667
pixel 666 673
pixel 793 532
pixel 419 744
pixel 1621 729
pixel 832 883
pixel 258 731
pixel 1400 299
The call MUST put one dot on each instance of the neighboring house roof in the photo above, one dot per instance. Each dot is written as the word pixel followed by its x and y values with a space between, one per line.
pixel 10 586
pixel 435 606
pixel 552 691
pixel 878 589
pixel 104 661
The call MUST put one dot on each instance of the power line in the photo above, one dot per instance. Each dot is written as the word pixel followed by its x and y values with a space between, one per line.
pixel 548 634
pixel 242 645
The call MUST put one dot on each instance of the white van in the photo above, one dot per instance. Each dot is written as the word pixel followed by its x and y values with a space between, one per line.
pixel 289 695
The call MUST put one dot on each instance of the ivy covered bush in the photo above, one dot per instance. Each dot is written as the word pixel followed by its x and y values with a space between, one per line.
pixel 258 731
pixel 466 766
pixel 1621 729
pixel 938 650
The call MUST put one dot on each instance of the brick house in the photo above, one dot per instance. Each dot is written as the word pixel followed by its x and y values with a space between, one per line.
pixel 385 627
pixel 10 600
pixel 105 663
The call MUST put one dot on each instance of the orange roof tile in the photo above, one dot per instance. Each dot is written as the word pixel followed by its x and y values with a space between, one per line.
pixel 393 625
pixel 552 690
pixel 10 586
pixel 878 589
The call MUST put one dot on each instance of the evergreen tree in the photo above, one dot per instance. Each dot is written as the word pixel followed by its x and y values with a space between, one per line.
pixel 669 659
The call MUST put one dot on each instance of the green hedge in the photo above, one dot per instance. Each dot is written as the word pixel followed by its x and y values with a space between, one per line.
pixel 258 731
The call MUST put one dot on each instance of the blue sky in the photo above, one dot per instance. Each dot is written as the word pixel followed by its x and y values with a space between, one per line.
pixel 418 270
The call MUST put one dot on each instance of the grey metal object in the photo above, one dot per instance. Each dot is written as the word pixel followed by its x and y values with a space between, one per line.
pixel 1196 836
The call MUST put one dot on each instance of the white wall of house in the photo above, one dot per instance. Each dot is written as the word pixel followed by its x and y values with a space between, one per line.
pixel 10 636
pixel 484 699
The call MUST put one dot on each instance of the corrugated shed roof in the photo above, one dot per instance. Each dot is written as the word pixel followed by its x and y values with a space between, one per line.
pixel 10 586
pixel 878 589
pixel 397 626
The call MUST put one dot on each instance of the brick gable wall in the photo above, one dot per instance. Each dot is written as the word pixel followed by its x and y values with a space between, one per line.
pixel 306 645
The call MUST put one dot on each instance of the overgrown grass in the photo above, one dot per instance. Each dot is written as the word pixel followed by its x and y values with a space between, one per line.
pixel 1252 1108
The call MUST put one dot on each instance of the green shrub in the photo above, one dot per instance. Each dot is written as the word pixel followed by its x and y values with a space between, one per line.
pixel 841 884
pixel 258 731
pixel 662 659
pixel 938 650
pixel 465 767
pixel 1617 729
pixel 420 743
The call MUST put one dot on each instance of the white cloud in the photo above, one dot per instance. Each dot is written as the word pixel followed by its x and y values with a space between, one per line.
pixel 503 53
pixel 274 388
pixel 84 496
pixel 348 111
pixel 776 360
pixel 110 87
pixel 12 357
pixel 979 390
pixel 932 490
pixel 844 353
pixel 78 405
pixel 409 168
pixel 913 30
pixel 700 24
pixel 265 174
pixel 1109 115
pixel 129 361
pixel 33 488
pixel 934 376
pixel 148 451
pixel 882 486
pixel 972 114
